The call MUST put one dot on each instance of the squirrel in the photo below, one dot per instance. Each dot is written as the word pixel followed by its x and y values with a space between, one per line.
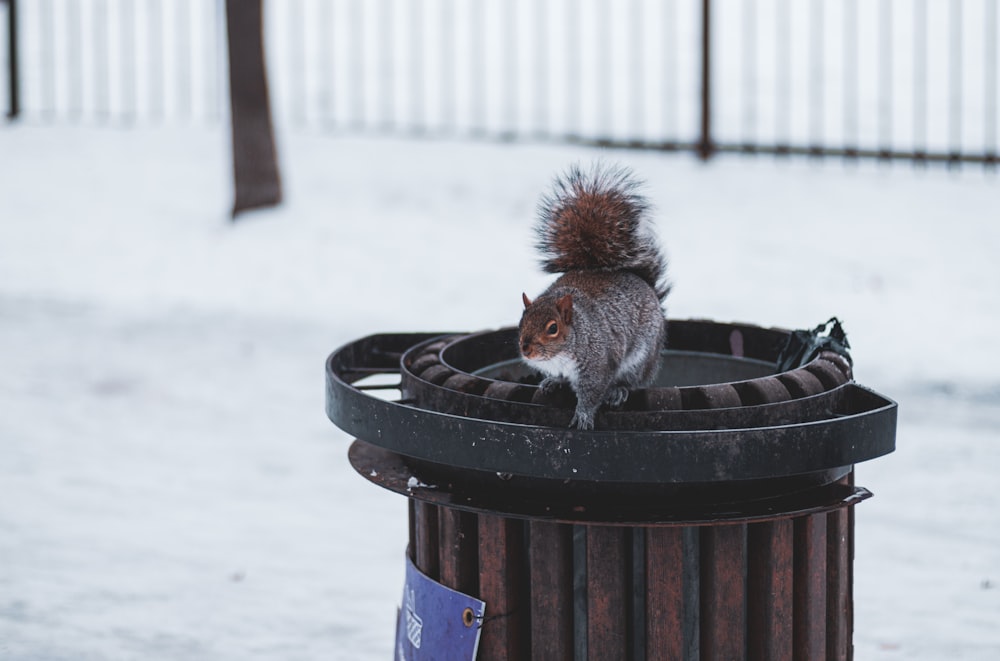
pixel 600 326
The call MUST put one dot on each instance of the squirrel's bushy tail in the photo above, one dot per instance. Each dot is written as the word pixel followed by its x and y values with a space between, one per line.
pixel 597 221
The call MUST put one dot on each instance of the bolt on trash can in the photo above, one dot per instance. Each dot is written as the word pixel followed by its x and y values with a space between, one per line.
pixel 710 518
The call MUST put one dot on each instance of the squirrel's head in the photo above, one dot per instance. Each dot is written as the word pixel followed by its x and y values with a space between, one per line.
pixel 545 326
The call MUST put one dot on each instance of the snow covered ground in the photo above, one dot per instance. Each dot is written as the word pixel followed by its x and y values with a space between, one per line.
pixel 171 489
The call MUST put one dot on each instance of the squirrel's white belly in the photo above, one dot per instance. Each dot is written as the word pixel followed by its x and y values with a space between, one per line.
pixel 559 366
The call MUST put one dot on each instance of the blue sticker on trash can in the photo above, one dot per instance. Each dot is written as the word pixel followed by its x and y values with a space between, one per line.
pixel 435 622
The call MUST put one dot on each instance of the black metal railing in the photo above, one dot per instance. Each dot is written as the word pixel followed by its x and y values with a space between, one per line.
pixel 882 79
pixel 13 86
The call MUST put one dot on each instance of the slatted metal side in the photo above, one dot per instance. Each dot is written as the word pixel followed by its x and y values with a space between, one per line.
pixel 762 591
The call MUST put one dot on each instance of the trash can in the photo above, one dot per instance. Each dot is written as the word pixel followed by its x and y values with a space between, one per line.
pixel 710 518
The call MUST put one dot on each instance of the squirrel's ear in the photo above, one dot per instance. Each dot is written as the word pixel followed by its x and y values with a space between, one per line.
pixel 527 301
pixel 565 307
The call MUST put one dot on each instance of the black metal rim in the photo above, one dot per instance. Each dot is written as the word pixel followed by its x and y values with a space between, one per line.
pixel 860 426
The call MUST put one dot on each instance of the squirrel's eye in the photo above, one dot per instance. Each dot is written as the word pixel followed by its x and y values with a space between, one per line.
pixel 552 329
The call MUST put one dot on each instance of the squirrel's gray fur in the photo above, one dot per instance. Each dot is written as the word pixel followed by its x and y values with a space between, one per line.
pixel 600 326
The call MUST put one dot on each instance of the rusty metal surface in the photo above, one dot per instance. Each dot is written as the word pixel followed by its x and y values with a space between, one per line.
pixel 550 553
pixel 726 535
pixel 723 592
pixel 668 601
pixel 390 471
pixel 503 573
pixel 426 548
pixel 773 590
pixel 608 592
pixel 769 585
pixel 838 606
pixel 458 541
pixel 810 582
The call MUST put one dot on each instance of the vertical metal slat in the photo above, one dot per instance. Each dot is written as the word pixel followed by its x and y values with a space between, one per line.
pixel 411 511
pixel 666 599
pixel 838 631
pixel 426 538
pixel 550 558
pixel 458 541
pixel 770 570
pixel 608 599
pixel 502 585
pixel 850 573
pixel 810 583
pixel 723 592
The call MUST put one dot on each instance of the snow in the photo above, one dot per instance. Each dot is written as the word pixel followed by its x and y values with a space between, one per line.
pixel 171 489
pixel 413 483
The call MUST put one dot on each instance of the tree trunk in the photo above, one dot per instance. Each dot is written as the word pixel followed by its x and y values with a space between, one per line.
pixel 255 158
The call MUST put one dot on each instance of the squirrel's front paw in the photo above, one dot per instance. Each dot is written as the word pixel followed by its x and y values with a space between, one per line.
pixel 617 396
pixel 549 385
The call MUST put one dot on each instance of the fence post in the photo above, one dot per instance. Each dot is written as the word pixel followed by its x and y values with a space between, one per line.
pixel 14 110
pixel 705 146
